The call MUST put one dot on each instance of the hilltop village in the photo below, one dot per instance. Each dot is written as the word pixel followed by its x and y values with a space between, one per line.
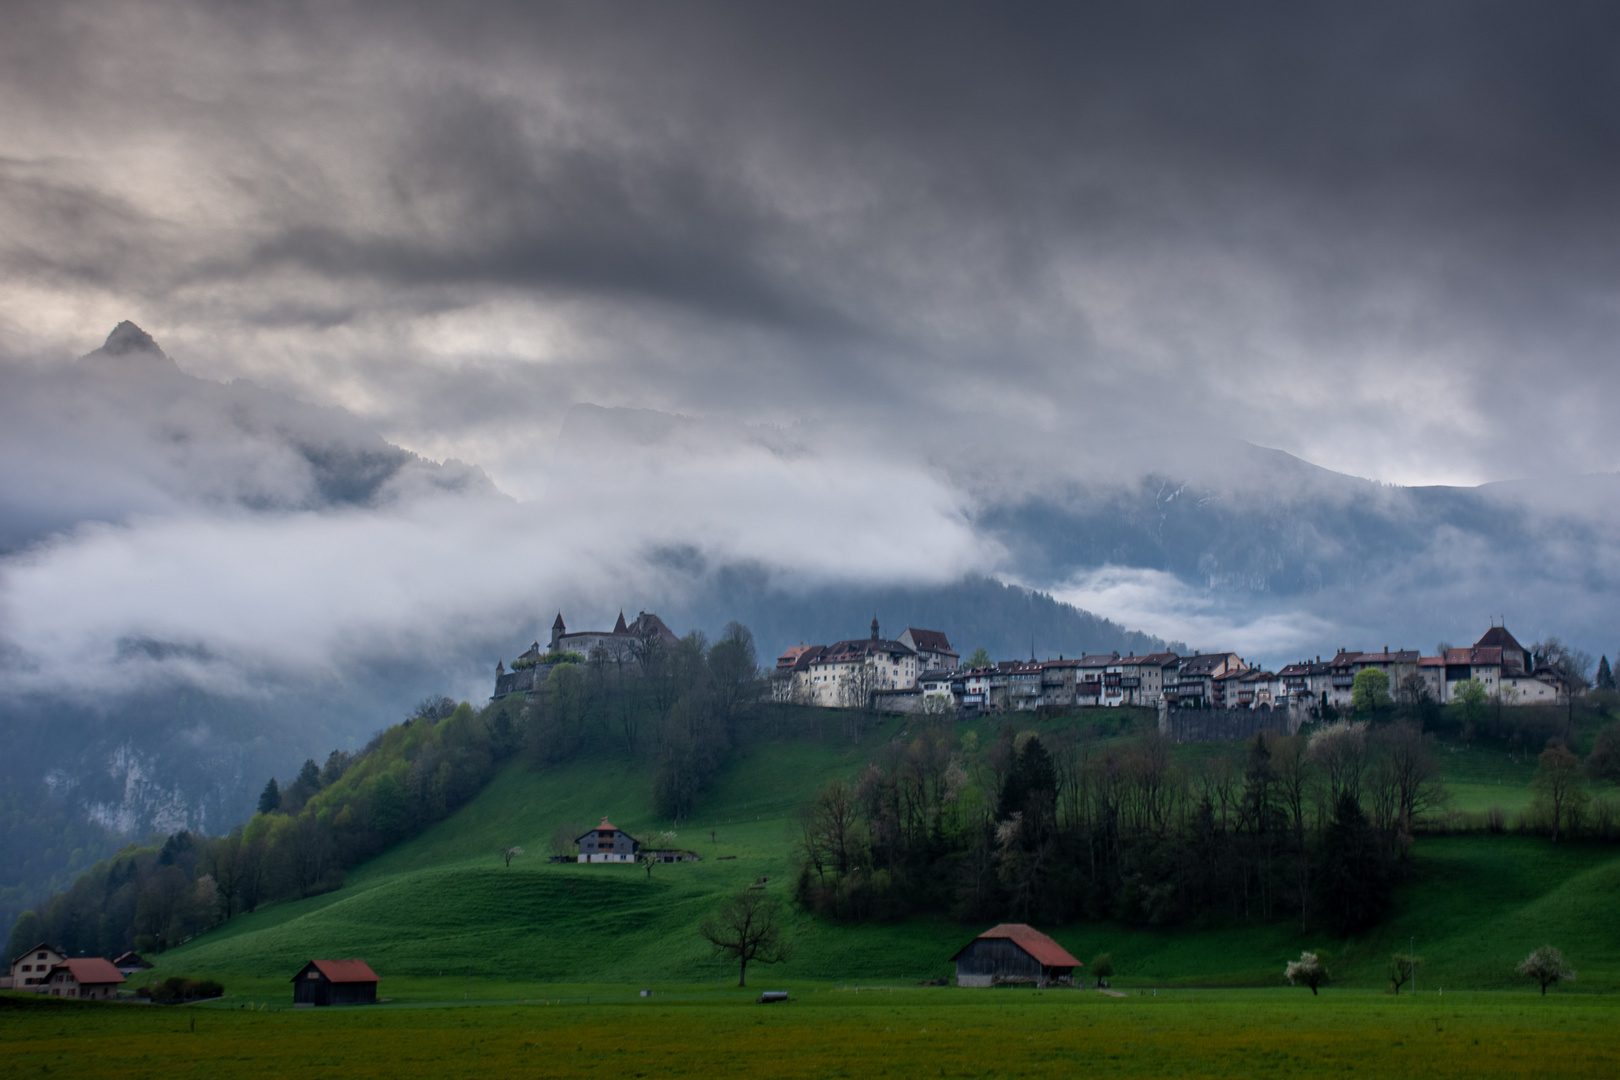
pixel 919 671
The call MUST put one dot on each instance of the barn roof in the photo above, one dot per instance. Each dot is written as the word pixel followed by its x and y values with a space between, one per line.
pixel 1048 952
pixel 91 969
pixel 342 971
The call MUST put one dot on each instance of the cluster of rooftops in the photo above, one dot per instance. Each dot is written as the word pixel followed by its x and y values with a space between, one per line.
pixel 920 671
pixel 44 969
pixel 909 677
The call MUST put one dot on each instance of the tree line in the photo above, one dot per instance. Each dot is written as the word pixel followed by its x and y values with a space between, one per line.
pixel 677 706
pixel 1080 824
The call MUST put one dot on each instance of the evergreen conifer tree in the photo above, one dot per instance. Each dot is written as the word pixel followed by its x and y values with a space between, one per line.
pixel 1605 675
pixel 270 798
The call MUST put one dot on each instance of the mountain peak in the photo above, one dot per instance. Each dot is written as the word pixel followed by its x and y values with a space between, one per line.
pixel 128 338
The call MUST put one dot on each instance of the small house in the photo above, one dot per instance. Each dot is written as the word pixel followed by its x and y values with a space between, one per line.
pixel 335 982
pixel 130 963
pixel 1014 953
pixel 607 843
pixel 30 967
pixel 88 977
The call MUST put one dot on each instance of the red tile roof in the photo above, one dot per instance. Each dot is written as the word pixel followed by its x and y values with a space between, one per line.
pixel 91 969
pixel 1048 952
pixel 346 971
pixel 932 640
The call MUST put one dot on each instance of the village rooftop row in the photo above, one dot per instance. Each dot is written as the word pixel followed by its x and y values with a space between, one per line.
pixel 919 671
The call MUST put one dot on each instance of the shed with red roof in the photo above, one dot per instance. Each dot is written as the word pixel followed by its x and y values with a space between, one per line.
pixel 335 982
pixel 1014 953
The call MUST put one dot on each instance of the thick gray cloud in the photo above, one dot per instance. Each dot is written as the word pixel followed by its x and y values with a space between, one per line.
pixel 918 270
pixel 1381 238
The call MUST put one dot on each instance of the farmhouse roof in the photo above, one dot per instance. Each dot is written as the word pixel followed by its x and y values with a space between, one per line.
pixel 131 959
pixel 91 969
pixel 342 971
pixel 1048 952
pixel 36 948
pixel 605 826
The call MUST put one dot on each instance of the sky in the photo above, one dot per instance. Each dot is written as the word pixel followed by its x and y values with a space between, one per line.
pixel 893 262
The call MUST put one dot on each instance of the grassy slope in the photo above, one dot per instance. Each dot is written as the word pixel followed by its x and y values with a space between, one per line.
pixel 440 914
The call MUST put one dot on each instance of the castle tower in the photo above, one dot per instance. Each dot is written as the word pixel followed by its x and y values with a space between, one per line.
pixel 558 629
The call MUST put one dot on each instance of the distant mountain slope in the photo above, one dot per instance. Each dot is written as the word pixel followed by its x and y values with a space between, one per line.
pixel 123 430
pixel 1007 620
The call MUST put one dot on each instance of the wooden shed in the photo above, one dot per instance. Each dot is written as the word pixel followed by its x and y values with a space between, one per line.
pixel 1014 953
pixel 335 982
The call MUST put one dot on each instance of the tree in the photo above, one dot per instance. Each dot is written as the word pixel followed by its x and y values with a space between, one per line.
pixel 1402 968
pixel 1559 787
pixel 733 671
pixel 509 853
pixel 1369 692
pixel 1309 970
pixel 1352 881
pixel 1471 700
pixel 650 855
pixel 980 658
pixel 748 928
pixel 1416 700
pixel 563 837
pixel 1102 966
pixel 270 797
pixel 1545 966
pixel 1605 675
pixel 1604 761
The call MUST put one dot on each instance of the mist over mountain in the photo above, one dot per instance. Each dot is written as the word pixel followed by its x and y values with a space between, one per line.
pixel 207 583
pixel 124 431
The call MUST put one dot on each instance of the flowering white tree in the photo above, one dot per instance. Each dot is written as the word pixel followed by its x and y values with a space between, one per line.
pixel 1546 966
pixel 1309 970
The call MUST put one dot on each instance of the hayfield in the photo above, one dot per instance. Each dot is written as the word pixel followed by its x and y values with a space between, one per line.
pixel 831 1033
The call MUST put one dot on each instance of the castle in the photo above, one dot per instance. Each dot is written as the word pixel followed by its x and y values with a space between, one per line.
pixel 621 643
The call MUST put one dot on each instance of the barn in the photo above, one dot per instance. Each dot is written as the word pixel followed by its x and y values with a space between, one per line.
pixel 1014 953
pixel 335 982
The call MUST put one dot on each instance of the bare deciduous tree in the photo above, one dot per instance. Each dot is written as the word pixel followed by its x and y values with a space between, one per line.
pixel 510 853
pixel 748 928
pixel 1559 785
pixel 563 837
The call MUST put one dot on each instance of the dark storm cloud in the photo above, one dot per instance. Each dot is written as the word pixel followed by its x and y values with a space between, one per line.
pixel 985 255
pixel 1066 193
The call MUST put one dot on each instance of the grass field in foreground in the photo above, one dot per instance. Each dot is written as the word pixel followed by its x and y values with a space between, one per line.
pixel 910 1032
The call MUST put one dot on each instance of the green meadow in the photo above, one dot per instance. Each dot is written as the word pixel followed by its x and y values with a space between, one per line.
pixel 441 918
pixel 829 1032
pixel 536 969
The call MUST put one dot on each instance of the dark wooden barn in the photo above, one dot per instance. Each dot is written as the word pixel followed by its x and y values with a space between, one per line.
pixel 1014 953
pixel 335 982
